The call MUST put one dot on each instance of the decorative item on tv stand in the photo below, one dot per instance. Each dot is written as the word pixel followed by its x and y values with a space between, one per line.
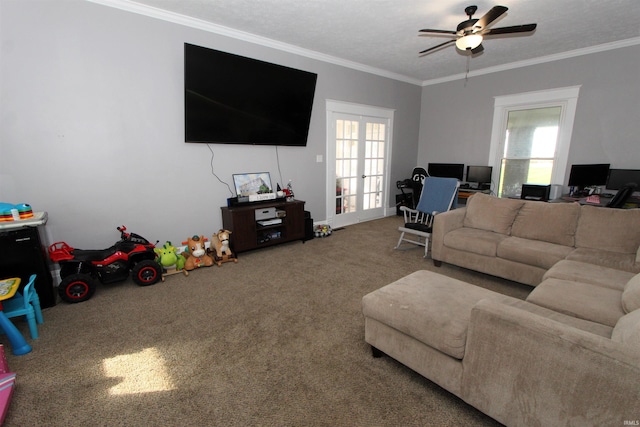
pixel 322 230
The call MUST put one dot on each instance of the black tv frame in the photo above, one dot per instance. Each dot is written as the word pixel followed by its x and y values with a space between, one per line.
pixel 232 99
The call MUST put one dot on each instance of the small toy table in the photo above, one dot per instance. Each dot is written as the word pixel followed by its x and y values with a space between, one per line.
pixel 19 346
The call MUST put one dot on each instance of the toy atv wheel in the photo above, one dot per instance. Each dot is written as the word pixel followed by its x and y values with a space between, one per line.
pixel 76 288
pixel 146 272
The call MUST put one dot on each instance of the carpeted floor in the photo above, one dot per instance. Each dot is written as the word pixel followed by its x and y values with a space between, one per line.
pixel 274 340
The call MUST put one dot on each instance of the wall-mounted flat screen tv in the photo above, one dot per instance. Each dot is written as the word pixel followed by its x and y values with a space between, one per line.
pixel 233 99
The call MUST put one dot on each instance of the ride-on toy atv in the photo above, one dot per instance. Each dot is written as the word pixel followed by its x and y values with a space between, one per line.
pixel 80 268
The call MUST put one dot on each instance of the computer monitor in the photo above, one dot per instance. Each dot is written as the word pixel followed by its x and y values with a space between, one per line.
pixel 618 178
pixel 582 176
pixel 446 170
pixel 480 175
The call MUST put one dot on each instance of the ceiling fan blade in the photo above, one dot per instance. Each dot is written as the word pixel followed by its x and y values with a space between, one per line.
pixel 478 49
pixel 489 17
pixel 508 30
pixel 436 47
pixel 426 30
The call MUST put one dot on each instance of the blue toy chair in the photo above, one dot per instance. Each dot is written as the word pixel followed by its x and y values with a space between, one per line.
pixel 26 304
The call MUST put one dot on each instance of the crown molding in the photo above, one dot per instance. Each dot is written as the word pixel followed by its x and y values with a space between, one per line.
pixel 199 24
pixel 153 12
pixel 543 59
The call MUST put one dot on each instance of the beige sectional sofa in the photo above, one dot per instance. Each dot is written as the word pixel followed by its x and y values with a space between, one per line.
pixel 568 355
pixel 520 240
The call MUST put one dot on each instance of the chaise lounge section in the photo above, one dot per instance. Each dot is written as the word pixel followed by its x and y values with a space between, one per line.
pixel 517 361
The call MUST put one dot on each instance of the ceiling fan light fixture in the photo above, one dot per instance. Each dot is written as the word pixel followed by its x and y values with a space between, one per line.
pixel 469 42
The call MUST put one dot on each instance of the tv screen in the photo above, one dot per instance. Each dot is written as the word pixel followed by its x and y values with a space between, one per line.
pixel 446 170
pixel 588 175
pixel 237 100
pixel 618 178
pixel 479 174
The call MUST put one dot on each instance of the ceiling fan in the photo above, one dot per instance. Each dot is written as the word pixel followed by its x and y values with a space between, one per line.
pixel 470 33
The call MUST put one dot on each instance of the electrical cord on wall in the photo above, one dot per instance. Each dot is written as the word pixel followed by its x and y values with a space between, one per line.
pixel 213 172
pixel 278 162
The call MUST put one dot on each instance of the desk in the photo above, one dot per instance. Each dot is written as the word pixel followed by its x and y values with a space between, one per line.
pixel 632 202
pixel 465 193
pixel 19 346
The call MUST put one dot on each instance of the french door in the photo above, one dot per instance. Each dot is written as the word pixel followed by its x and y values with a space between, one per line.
pixel 357 156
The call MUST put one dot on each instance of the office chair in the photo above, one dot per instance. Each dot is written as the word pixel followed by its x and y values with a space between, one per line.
pixel 438 195
pixel 25 304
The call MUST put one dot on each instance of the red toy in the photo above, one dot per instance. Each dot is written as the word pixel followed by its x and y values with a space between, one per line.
pixel 80 268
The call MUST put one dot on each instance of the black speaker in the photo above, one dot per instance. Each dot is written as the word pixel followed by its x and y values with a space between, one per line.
pixel 535 192
pixel 308 226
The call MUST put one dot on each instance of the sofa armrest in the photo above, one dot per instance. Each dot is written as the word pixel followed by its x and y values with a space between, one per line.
pixel 524 369
pixel 442 224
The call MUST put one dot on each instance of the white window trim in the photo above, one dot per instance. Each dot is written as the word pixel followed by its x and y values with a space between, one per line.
pixel 567 98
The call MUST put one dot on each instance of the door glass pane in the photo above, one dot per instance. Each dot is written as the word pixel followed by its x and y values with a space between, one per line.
pixel 346 165
pixel 374 156
pixel 529 149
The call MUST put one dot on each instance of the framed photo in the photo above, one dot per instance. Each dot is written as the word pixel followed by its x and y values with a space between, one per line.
pixel 248 184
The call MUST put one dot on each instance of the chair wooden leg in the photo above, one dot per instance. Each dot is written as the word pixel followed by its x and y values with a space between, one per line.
pixel 400 240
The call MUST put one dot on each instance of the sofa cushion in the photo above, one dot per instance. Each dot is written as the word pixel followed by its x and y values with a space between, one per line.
pixel 582 300
pixel 549 222
pixel 432 308
pixel 473 240
pixel 615 260
pixel 631 294
pixel 627 330
pixel 577 271
pixel 491 213
pixel 532 252
pixel 614 230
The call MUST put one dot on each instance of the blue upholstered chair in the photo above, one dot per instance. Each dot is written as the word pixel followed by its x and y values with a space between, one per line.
pixel 26 304
pixel 438 195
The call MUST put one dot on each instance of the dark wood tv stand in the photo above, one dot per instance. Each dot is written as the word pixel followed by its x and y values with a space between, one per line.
pixel 247 234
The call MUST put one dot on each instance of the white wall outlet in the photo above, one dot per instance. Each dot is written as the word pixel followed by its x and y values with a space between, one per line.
pixel 319 158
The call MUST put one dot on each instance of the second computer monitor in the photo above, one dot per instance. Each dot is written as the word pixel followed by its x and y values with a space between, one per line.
pixel 446 170
pixel 582 176
pixel 618 178
pixel 480 175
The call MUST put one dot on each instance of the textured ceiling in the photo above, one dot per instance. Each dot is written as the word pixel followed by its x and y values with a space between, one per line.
pixel 383 34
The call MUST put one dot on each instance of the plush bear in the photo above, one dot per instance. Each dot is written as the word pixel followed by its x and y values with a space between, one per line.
pixel 196 254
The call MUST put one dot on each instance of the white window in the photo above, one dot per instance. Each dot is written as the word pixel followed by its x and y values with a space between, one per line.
pixel 530 138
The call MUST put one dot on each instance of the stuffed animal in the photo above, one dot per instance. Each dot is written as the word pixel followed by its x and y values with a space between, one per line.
pixel 220 247
pixel 196 254
pixel 168 257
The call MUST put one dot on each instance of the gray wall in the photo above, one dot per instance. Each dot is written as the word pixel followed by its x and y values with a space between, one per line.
pixel 91 124
pixel 456 120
